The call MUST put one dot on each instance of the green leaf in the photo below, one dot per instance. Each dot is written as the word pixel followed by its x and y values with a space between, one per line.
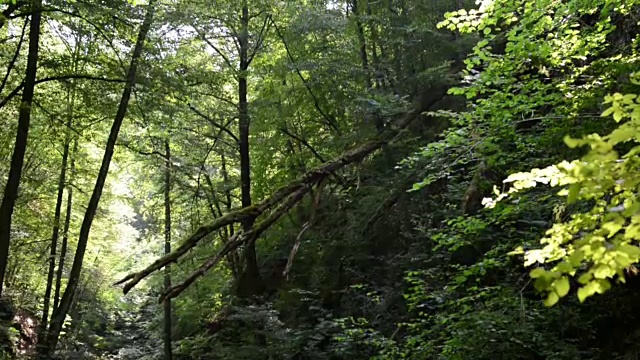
pixel 574 193
pixel 584 292
pixel 562 286
pixel 618 115
pixel 576 258
pixel 613 226
pixel 603 271
pixel 537 272
pixel 632 251
pixel 621 134
pixel 552 299
pixel 572 143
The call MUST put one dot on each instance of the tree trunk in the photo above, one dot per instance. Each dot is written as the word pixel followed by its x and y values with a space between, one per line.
pixel 235 259
pixel 65 234
pixel 56 230
pixel 167 249
pixel 250 282
pixel 20 147
pixel 374 51
pixel 227 191
pixel 363 43
pixel 58 317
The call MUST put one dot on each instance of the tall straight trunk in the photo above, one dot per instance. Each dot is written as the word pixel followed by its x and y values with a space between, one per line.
pixel 227 191
pixel 58 207
pixel 65 231
pixel 374 44
pixel 234 259
pixel 362 42
pixel 216 211
pixel 245 168
pixel 74 276
pixel 167 249
pixel 20 147
pixel 378 120
pixel 251 284
pixel 56 229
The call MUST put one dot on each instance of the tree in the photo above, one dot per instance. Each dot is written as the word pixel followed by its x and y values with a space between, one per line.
pixel 74 277
pixel 20 146
pixel 167 250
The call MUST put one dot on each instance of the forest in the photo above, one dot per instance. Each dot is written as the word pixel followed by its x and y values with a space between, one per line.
pixel 319 179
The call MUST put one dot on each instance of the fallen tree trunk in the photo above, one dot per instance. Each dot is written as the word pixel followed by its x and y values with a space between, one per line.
pixel 282 199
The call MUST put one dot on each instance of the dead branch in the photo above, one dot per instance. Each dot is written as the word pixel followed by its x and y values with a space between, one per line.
pixel 236 241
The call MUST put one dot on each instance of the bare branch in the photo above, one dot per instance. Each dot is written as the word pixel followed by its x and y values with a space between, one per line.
pixel 283 198
pixel 252 212
pixel 236 241
pixel 295 248
pixel 142 152
pixel 233 217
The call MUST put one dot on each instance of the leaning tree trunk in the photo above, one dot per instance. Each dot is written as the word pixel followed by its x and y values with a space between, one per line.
pixel 20 147
pixel 270 209
pixel 167 249
pixel 65 303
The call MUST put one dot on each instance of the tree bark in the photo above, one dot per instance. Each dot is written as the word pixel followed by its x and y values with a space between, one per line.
pixel 65 303
pixel 227 191
pixel 236 260
pixel 362 42
pixel 71 96
pixel 56 230
pixel 374 45
pixel 65 232
pixel 250 282
pixel 20 147
pixel 167 249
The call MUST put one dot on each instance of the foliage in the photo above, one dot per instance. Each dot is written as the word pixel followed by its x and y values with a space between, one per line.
pixel 393 257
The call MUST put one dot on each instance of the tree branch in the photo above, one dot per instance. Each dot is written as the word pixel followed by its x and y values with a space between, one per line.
pixel 17 90
pixel 236 241
pixel 142 152
pixel 214 124
pixel 15 56
pixel 222 55
pixel 303 142
pixel 330 120
pixel 265 28
pixel 284 198
pixel 6 13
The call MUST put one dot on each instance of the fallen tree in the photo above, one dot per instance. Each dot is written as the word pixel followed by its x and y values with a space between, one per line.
pixel 268 211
